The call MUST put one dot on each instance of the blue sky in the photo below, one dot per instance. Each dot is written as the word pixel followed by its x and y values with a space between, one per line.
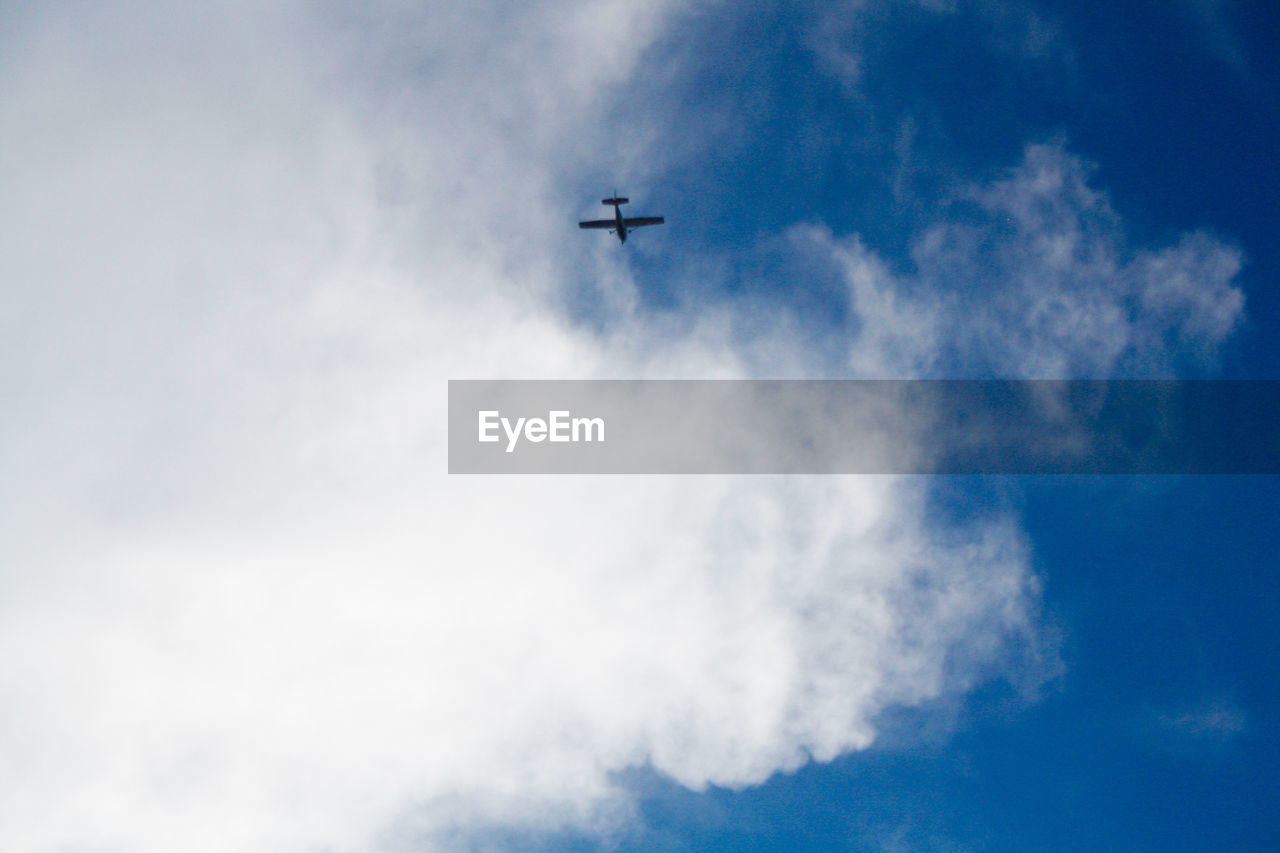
pixel 1158 734
pixel 243 249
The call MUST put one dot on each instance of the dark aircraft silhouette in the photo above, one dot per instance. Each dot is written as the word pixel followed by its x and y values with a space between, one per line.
pixel 618 225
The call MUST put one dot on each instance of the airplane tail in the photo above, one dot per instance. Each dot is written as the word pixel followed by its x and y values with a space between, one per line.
pixel 615 200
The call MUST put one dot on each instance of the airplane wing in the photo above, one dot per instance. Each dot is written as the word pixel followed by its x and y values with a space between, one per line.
pixel 642 220
pixel 598 223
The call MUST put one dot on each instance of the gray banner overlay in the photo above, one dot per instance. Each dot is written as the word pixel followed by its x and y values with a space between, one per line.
pixel 864 427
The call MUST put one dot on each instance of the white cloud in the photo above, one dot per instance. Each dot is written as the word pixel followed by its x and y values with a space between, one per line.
pixel 1033 276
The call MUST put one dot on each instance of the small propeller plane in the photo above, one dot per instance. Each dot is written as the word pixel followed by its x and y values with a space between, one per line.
pixel 619 225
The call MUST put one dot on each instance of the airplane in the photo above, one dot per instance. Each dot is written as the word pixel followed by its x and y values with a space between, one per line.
pixel 618 225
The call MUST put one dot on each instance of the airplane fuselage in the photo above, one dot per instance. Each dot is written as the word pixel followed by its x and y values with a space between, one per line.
pixel 621 225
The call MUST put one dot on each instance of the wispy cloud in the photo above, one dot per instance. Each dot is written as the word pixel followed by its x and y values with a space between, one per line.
pixel 1033 275
pixel 1213 19
pixel 1217 720
pixel 844 32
